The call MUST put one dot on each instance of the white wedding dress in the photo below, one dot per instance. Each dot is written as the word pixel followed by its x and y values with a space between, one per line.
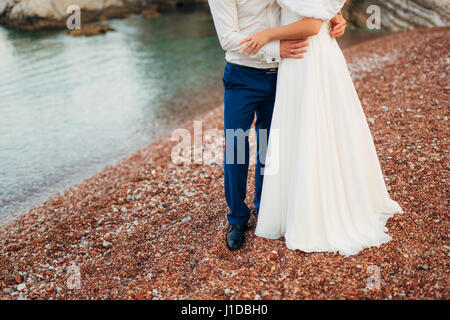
pixel 323 186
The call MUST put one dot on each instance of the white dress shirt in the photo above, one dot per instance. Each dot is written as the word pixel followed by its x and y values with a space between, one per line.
pixel 235 20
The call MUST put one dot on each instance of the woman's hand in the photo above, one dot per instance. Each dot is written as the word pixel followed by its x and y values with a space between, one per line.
pixel 255 42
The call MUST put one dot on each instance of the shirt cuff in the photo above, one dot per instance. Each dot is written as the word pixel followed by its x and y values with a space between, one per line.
pixel 272 51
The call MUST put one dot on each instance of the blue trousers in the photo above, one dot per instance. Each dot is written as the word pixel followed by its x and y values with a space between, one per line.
pixel 248 92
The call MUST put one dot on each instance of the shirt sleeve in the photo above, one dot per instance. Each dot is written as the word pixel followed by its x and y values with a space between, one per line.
pixel 271 51
pixel 225 16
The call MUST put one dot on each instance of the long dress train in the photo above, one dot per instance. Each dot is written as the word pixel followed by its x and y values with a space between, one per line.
pixel 323 187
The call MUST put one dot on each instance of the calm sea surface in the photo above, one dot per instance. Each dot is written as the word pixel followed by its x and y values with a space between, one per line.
pixel 70 106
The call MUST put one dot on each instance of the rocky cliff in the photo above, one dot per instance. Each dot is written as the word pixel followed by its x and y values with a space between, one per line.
pixel 36 14
pixel 397 15
pixel 39 14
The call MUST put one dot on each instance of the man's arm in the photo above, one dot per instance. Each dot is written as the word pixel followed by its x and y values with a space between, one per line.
pixel 225 17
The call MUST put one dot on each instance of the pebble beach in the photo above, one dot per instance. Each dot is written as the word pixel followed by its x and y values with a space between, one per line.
pixel 148 228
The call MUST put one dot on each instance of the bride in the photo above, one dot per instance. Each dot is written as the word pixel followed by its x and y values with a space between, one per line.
pixel 323 186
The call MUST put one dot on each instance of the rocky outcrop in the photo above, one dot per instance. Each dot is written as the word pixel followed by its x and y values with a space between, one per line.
pixel 40 14
pixel 37 14
pixel 397 15
pixel 90 29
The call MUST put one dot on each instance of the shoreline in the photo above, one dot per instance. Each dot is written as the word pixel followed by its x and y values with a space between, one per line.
pixel 152 226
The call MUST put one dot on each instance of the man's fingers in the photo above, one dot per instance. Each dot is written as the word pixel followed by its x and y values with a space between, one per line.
pixel 297 51
pixel 298 45
pixel 338 32
pixel 340 26
pixel 293 55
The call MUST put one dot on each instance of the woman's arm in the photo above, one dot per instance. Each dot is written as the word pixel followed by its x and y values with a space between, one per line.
pixel 301 29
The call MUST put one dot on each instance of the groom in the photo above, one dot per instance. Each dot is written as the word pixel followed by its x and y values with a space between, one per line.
pixel 250 86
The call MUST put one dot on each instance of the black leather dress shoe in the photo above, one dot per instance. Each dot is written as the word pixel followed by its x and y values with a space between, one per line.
pixel 235 236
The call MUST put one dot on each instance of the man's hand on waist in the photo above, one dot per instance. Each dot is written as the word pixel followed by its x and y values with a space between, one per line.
pixel 293 48
pixel 338 26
